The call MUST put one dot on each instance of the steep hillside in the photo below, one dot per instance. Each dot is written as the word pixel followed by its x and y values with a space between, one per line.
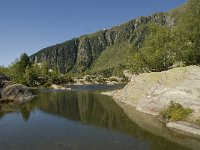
pixel 102 50
pixel 112 57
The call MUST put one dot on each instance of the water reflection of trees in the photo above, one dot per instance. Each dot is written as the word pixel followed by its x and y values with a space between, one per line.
pixel 88 108
pixel 93 109
pixel 97 110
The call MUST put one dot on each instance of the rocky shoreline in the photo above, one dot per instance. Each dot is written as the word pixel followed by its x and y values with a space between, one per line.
pixel 98 79
pixel 150 93
pixel 91 80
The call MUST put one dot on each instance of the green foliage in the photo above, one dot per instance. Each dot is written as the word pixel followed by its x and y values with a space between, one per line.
pixel 112 58
pixel 23 72
pixel 19 68
pixel 118 71
pixel 55 75
pixel 49 76
pixel 21 65
pixel 165 46
pixel 6 71
pixel 157 53
pixel 43 70
pixel 104 72
pixel 24 62
pixel 30 77
pixel 176 13
pixel 69 78
pixel 157 49
pixel 175 112
pixel 188 33
pixel 137 63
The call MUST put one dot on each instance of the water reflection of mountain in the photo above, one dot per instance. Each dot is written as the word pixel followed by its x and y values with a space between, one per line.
pixel 97 110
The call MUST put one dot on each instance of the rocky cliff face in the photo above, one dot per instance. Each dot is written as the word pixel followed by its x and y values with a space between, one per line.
pixel 79 54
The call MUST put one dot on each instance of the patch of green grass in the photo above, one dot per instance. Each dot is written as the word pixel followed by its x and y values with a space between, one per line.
pixel 175 112
pixel 112 57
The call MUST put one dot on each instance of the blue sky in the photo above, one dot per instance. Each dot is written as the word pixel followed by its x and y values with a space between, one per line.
pixel 30 25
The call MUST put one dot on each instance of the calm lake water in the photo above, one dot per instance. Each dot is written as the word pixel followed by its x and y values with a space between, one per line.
pixel 82 120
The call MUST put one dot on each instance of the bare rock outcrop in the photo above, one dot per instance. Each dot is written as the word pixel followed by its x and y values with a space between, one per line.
pixel 152 92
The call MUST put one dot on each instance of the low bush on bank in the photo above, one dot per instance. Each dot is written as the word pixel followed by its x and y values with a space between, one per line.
pixel 175 112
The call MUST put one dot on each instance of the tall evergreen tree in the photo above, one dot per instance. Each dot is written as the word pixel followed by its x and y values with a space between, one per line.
pixel 20 67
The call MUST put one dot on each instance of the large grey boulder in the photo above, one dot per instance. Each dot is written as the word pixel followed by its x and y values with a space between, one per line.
pixel 13 92
pixel 16 92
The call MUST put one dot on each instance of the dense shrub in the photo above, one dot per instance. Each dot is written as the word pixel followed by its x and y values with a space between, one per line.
pixel 175 111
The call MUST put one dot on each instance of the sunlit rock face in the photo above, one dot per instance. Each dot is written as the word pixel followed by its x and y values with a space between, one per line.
pixel 180 85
